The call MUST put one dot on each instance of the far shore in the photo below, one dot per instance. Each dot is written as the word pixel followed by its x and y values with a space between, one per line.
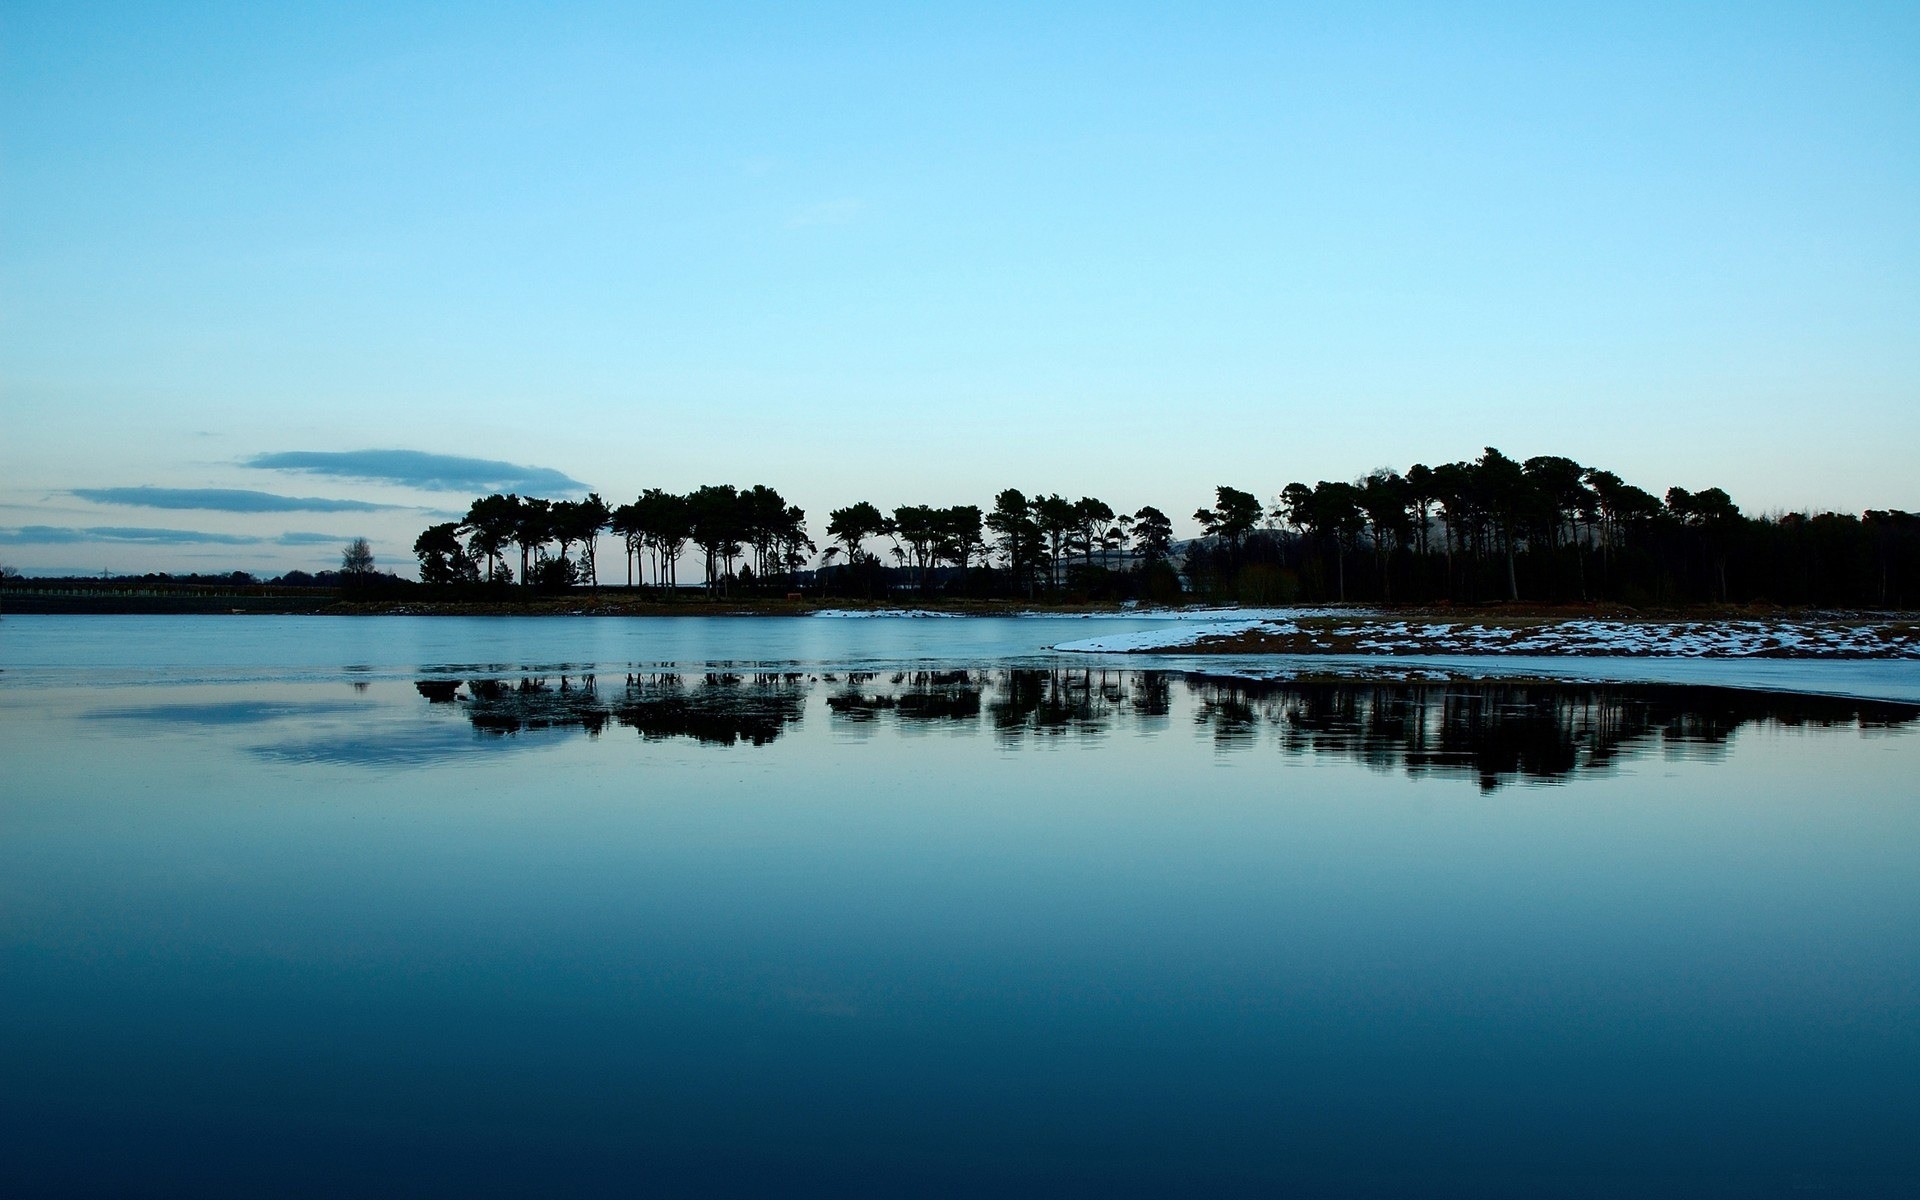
pixel 1504 628
pixel 1380 634
pixel 617 602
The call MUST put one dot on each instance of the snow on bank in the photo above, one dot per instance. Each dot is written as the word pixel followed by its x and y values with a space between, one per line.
pixel 1142 641
pixel 1238 616
pixel 863 613
pixel 1885 679
pixel 1595 638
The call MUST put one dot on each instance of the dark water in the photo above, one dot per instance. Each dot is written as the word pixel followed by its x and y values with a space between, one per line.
pixel 956 930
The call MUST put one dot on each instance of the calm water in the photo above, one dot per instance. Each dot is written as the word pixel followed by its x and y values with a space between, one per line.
pixel 425 907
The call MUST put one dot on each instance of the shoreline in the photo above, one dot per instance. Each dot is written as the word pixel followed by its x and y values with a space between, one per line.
pixel 1494 629
pixel 619 602
pixel 1825 636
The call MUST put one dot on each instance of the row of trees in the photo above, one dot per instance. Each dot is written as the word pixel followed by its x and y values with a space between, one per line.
pixel 724 522
pixel 1491 527
pixel 1546 528
pixel 1037 541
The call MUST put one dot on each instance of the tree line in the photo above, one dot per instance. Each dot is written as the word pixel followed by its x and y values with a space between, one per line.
pixel 1543 529
pixel 1488 528
pixel 725 523
pixel 753 539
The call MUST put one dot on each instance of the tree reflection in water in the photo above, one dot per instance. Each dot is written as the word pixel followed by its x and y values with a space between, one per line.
pixel 1493 732
pixel 1497 732
pixel 716 708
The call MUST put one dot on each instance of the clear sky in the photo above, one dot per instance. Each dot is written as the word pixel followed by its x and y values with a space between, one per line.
pixel 919 253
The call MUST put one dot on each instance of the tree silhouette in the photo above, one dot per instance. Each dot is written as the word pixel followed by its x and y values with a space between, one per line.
pixel 716 520
pixel 1232 517
pixel 918 525
pixel 959 533
pixel 1093 521
pixel 851 527
pixel 1382 498
pixel 1501 486
pixel 1714 516
pixel 1056 519
pixel 1152 534
pixel 532 527
pixel 442 558
pixel 1547 527
pixel 584 521
pixel 792 547
pixel 666 525
pixel 490 522
pixel 1337 516
pixel 356 561
pixel 625 521
pixel 1017 536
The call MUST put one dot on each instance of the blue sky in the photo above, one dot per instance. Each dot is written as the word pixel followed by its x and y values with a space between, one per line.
pixel 916 256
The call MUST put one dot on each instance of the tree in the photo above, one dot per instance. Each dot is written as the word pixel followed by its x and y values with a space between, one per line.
pixel 490 523
pixel 763 519
pixel 665 524
pixel 1056 519
pixel 1891 531
pixel 1382 499
pixel 563 527
pixel 1506 496
pixel 792 546
pixel 625 521
pixel 1016 534
pixel 1335 513
pixel 585 521
pixel 1715 516
pixel 851 527
pixel 1152 534
pixel 1233 516
pixel 1560 499
pixel 1421 492
pixel 1453 491
pixel 960 537
pixel 1295 507
pixel 919 526
pixel 356 561
pixel 1093 521
pixel 532 528
pixel 715 518
pixel 442 558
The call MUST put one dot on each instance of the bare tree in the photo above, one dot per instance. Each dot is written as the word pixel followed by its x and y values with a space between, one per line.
pixel 356 561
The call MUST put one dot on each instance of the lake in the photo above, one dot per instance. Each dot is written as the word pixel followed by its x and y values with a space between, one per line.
pixel 745 906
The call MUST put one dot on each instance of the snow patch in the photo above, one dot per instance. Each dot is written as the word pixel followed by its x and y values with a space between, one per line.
pixel 1584 638
pixel 1163 639
pixel 866 613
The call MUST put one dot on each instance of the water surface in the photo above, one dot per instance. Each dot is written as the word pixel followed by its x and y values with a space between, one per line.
pixel 513 917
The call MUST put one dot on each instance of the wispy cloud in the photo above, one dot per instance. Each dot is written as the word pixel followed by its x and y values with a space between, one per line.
pixel 235 500
pixel 64 535
pixel 56 535
pixel 312 539
pixel 830 212
pixel 417 468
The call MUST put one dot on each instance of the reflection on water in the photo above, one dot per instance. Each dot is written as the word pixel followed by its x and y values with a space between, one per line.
pixel 969 931
pixel 228 712
pixel 718 709
pixel 1493 732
